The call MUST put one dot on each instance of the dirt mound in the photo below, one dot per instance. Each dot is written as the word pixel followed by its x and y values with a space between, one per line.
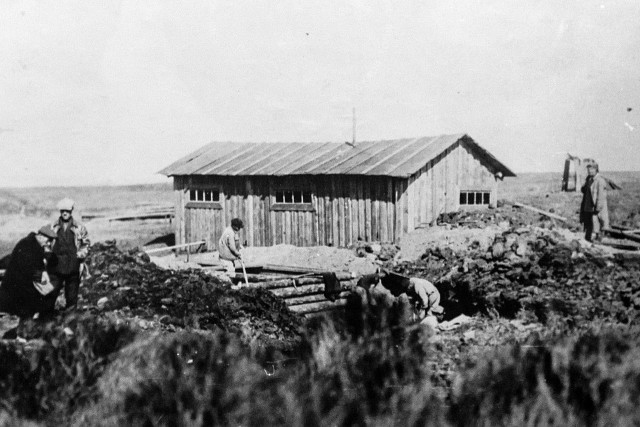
pixel 128 283
pixel 532 269
pixel 459 230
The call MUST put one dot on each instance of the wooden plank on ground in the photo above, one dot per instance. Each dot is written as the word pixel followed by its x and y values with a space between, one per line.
pixel 619 234
pixel 540 211
pixel 313 298
pixel 296 269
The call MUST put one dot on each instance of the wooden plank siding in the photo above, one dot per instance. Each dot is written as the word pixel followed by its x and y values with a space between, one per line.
pixel 344 208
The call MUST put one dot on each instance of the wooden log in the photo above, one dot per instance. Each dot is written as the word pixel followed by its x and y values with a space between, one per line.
pixel 257 278
pixel 151 251
pixel 292 283
pixel 157 215
pixel 315 307
pixel 625 229
pixel 626 247
pixel 540 211
pixel 298 291
pixel 302 290
pixel 285 283
pixel 313 298
pixel 279 268
pixel 619 234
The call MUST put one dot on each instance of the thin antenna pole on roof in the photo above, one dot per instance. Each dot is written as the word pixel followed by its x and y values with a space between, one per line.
pixel 354 127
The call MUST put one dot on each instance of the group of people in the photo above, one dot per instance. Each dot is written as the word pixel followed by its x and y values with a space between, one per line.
pixel 423 295
pixel 43 264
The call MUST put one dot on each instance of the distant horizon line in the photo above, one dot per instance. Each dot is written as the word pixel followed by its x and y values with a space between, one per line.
pixel 134 184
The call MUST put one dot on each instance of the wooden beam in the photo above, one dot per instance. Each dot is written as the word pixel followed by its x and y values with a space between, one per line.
pixel 313 298
pixel 151 251
pixel 540 211
pixel 301 270
pixel 315 307
pixel 620 234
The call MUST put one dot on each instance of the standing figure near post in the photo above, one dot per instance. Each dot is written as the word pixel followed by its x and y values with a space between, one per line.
pixel 71 248
pixel 594 212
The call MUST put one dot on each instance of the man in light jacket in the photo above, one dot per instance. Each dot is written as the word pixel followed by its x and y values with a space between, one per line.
pixel 594 213
pixel 71 249
pixel 229 245
pixel 423 295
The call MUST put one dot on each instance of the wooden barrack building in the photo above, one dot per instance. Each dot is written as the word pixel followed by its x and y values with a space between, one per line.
pixel 310 194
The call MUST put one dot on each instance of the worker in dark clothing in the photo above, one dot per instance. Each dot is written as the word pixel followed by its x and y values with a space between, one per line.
pixel 70 248
pixel 26 282
pixel 594 212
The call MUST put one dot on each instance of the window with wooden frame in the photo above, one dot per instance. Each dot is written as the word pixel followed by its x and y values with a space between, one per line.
pixel 295 200
pixel 475 197
pixel 203 198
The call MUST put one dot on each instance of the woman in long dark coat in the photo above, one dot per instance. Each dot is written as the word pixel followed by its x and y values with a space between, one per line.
pixel 18 295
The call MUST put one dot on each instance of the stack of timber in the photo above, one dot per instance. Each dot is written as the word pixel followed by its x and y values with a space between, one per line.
pixel 624 233
pixel 303 293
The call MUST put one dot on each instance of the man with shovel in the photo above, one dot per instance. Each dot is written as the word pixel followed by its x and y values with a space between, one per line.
pixel 229 245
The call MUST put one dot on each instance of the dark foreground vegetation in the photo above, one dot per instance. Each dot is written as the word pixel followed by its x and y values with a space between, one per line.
pixel 554 341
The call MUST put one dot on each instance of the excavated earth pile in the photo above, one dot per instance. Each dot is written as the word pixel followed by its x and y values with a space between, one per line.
pixel 533 269
pixel 130 285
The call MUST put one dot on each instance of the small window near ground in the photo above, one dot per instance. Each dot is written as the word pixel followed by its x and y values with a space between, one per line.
pixel 204 195
pixel 475 197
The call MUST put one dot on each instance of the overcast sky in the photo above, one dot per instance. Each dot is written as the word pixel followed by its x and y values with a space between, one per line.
pixel 110 92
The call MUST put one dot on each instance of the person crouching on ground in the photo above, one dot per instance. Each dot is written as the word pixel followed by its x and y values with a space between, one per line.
pixel 229 245
pixel 26 282
pixel 594 212
pixel 423 295
pixel 71 248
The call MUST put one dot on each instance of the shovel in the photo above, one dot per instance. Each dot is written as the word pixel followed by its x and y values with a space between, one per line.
pixel 244 271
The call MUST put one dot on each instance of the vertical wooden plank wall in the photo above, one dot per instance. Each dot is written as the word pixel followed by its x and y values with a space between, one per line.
pixel 352 208
pixel 346 209
pixel 476 176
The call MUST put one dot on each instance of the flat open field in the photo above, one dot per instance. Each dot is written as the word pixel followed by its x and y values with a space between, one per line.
pixel 540 328
pixel 26 209
pixel 542 190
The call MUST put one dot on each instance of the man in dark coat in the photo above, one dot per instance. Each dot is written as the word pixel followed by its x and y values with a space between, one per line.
pixel 18 292
pixel 594 212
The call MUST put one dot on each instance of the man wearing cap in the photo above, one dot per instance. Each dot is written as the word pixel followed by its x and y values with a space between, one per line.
pixel 594 212
pixel 229 245
pixel 26 283
pixel 71 248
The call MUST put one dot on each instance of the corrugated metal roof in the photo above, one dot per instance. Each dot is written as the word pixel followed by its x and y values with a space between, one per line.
pixel 398 158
